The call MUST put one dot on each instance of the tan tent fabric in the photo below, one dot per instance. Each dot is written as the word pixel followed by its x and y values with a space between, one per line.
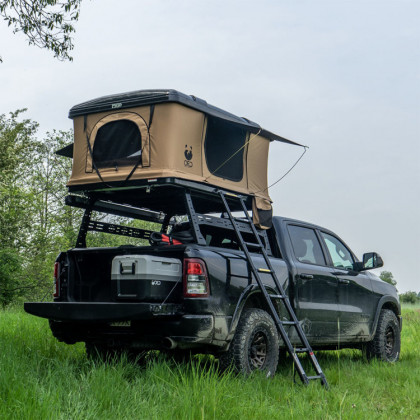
pixel 262 212
pixel 172 146
pixel 257 157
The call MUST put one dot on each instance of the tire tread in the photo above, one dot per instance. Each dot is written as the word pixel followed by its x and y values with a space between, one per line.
pixel 236 356
pixel 376 347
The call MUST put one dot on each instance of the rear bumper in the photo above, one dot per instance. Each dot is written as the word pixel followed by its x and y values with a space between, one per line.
pixel 99 311
pixel 149 323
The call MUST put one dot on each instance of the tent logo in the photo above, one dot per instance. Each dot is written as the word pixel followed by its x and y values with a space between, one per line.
pixel 188 156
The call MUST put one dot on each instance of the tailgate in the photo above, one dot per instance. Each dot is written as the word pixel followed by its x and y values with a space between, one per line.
pixel 100 311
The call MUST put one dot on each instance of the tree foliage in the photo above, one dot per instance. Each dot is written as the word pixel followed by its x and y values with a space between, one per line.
pixel 409 297
pixel 10 276
pixel 17 146
pixel 46 23
pixel 388 277
pixel 34 223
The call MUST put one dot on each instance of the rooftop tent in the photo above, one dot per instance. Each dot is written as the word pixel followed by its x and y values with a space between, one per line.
pixel 122 139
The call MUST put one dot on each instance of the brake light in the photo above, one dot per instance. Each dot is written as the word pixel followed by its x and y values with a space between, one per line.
pixel 196 281
pixel 56 290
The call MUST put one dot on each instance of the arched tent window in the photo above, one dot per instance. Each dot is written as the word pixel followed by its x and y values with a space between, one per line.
pixel 117 143
pixel 119 139
pixel 224 149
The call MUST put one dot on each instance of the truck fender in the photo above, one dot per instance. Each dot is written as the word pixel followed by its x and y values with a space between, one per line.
pixel 389 302
pixel 248 292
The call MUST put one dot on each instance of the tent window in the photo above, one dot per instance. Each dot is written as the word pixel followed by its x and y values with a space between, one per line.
pixel 224 149
pixel 117 143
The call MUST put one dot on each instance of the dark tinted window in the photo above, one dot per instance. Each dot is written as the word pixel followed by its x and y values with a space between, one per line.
pixel 223 238
pixel 117 143
pixel 340 255
pixel 306 246
pixel 224 149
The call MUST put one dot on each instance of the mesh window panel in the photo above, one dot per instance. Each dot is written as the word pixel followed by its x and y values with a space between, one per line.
pixel 223 144
pixel 117 143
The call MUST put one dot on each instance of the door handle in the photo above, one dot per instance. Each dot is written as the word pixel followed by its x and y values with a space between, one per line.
pixel 343 281
pixel 306 276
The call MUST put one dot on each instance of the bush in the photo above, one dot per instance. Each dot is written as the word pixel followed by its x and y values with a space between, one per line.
pixel 409 297
pixel 10 270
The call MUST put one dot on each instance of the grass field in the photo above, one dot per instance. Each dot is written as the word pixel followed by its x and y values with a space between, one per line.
pixel 41 378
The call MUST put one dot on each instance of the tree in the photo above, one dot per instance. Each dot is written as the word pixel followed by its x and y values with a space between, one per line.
pixel 46 23
pixel 388 277
pixel 17 148
pixel 34 223
pixel 10 276
pixel 53 224
pixel 408 297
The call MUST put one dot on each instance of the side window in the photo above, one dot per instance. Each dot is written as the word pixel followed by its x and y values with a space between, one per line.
pixel 340 255
pixel 306 246
pixel 117 143
pixel 224 149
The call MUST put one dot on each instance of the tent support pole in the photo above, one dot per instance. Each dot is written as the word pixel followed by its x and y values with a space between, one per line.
pixel 193 219
pixel 84 226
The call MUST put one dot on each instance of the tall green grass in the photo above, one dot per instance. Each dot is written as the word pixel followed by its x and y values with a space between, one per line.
pixel 41 378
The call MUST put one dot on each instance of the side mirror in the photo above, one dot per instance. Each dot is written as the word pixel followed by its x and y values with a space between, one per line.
pixel 371 260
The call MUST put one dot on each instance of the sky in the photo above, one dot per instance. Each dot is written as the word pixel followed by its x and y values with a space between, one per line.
pixel 342 77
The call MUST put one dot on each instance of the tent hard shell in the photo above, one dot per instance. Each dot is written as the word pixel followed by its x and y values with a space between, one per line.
pixel 151 134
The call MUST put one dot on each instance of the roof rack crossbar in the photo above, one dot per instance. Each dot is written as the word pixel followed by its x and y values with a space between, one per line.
pixel 115 209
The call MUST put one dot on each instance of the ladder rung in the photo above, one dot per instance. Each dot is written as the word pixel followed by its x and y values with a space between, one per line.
pixel 253 245
pixel 288 322
pixel 277 296
pixel 314 377
pixel 264 270
pixel 302 350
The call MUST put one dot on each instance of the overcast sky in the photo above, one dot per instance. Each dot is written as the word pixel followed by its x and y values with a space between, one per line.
pixel 342 77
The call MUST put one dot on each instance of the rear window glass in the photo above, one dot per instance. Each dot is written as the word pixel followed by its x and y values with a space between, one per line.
pixel 117 143
pixel 224 149
pixel 306 246
pixel 223 238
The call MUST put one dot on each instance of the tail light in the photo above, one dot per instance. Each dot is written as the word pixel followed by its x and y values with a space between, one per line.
pixel 56 289
pixel 196 281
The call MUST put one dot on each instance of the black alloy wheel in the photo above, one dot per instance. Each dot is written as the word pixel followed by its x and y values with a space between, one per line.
pixel 386 343
pixel 389 341
pixel 255 345
pixel 258 350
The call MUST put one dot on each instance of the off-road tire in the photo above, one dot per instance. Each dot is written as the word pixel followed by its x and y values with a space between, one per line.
pixel 386 344
pixel 255 345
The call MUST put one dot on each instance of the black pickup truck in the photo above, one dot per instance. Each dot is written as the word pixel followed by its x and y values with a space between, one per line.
pixel 178 295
